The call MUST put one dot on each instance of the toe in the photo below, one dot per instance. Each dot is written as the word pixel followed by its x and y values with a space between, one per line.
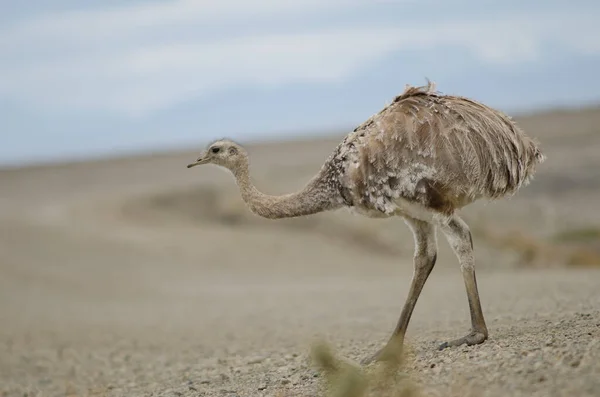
pixel 368 360
pixel 475 338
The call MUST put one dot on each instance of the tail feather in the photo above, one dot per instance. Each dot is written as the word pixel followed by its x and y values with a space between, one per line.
pixel 536 156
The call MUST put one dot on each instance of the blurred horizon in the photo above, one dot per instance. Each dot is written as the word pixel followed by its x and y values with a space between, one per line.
pixel 111 78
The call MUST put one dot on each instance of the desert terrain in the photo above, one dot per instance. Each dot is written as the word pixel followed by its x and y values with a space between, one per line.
pixel 138 277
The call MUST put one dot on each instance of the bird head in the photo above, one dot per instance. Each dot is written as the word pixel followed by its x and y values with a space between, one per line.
pixel 225 153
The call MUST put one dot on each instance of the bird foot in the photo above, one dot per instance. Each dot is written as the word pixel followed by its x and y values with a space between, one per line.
pixel 372 358
pixel 473 338
pixel 391 352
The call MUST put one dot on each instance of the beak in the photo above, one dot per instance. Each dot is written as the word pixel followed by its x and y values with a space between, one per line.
pixel 200 161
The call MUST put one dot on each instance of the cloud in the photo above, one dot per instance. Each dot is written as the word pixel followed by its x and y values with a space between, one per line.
pixel 154 77
pixel 134 60
pixel 117 21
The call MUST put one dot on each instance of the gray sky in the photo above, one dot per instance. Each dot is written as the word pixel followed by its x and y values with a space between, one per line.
pixel 101 77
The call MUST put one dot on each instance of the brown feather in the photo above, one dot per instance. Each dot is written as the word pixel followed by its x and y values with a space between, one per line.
pixel 439 151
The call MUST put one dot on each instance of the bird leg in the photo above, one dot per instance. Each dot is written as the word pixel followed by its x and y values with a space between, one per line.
pixel 459 236
pixel 424 260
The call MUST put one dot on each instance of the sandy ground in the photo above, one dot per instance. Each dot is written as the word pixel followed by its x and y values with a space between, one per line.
pixel 138 277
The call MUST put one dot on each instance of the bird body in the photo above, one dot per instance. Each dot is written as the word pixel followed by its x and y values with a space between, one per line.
pixel 423 157
pixel 427 154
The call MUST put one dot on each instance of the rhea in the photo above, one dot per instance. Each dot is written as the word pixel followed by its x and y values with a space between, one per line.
pixel 423 157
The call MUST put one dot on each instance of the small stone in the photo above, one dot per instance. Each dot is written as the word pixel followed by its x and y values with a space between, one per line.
pixel 285 381
pixel 256 360
pixel 262 387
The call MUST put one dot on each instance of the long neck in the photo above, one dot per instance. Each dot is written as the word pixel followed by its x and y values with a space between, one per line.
pixel 314 198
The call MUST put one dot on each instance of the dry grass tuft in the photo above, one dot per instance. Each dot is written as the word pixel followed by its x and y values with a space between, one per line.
pixel 213 205
pixel 345 379
pixel 577 248
pixel 587 234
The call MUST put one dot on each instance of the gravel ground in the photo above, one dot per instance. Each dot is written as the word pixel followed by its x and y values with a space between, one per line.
pixel 101 295
pixel 134 328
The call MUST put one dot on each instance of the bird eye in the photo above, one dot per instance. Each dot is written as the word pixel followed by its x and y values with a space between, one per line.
pixel 215 149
